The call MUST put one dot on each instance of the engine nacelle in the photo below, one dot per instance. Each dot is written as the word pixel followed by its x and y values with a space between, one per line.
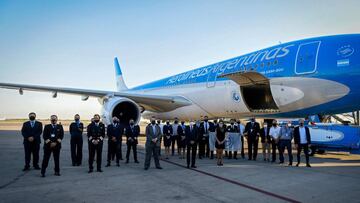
pixel 123 108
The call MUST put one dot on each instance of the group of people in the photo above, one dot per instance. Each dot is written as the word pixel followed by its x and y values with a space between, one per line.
pixel 53 135
pixel 206 138
pixel 203 137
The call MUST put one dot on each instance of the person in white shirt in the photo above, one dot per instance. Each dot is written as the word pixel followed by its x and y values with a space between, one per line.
pixel 302 140
pixel 274 134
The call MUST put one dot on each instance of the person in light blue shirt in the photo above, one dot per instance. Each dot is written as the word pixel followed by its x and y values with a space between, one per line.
pixel 285 136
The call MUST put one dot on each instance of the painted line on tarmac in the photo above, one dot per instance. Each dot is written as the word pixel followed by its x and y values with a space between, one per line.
pixel 12 181
pixel 235 183
pixel 230 181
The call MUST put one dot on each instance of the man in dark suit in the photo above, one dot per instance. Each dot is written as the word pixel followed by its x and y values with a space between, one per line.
pixel 76 142
pixel 153 134
pixel 53 135
pixel 31 132
pixel 132 133
pixel 191 142
pixel 204 148
pixel 252 132
pixel 114 133
pixel 302 140
pixel 212 138
pixel 96 134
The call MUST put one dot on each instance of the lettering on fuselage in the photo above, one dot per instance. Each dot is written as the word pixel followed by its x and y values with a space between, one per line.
pixel 220 68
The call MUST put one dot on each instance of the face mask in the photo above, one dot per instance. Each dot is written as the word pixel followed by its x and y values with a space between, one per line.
pixel 182 123
pixel 131 123
pixel 238 122
pixel 96 121
pixel 153 122
pixel 301 124
pixel 176 122
pixel 32 118
pixel 274 124
pixel 206 120
pixel 77 119
pixel 114 121
pixel 53 121
pixel 167 123
pixel 232 123
pixel 158 122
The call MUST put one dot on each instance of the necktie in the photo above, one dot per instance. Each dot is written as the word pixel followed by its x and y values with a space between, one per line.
pixel 206 129
pixel 32 124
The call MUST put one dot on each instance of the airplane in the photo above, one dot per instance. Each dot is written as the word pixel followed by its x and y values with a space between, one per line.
pixel 291 80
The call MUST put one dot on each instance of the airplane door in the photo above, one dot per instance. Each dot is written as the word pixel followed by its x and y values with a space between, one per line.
pixel 211 80
pixel 307 58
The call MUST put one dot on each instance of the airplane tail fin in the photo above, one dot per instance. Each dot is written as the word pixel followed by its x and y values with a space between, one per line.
pixel 120 84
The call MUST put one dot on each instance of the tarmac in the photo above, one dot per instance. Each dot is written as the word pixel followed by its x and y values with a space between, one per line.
pixel 334 177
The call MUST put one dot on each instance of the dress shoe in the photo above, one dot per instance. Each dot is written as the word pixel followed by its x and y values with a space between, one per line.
pixel 188 166
pixel 99 170
pixel 159 167
pixel 127 161
pixel 193 166
pixel 297 165
pixel 43 175
pixel 26 169
pixel 90 171
pixel 118 165
pixel 37 168
pixel 146 168
pixel 308 165
pixel 57 174
pixel 107 165
pixel 137 161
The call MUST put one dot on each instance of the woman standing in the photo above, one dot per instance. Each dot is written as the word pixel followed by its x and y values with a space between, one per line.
pixel 167 131
pixel 220 142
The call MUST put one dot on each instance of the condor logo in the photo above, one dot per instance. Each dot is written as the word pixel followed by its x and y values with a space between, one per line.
pixel 345 51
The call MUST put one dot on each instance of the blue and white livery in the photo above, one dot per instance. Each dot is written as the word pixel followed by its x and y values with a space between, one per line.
pixel 296 79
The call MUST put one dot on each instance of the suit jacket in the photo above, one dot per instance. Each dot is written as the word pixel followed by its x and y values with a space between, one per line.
pixel 297 135
pixel 210 127
pixel 262 135
pixel 191 135
pixel 53 134
pixel 150 134
pixel 28 131
pixel 180 130
pixel 96 132
pixel 76 130
pixel 116 132
pixel 167 130
pixel 132 133
pixel 252 130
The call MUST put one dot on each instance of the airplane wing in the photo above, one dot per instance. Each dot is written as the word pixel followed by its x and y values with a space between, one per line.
pixel 157 103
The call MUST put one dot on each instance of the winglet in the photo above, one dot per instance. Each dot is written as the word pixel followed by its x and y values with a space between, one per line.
pixel 117 67
pixel 120 84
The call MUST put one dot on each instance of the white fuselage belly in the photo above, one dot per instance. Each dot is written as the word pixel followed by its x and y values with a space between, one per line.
pixel 290 94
